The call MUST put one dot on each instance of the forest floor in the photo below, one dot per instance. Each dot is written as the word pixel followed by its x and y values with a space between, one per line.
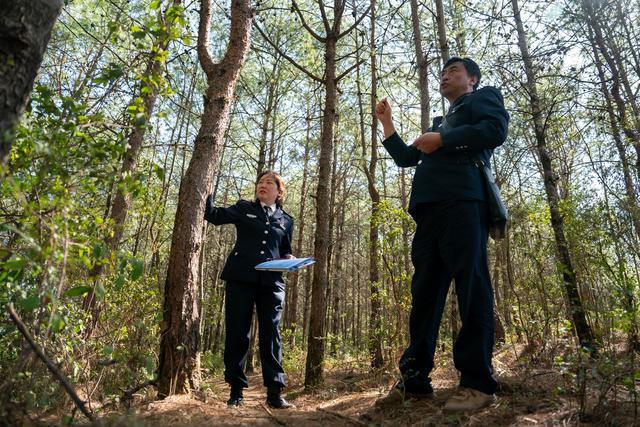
pixel 526 396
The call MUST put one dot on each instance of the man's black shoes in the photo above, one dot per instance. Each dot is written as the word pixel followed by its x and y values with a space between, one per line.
pixel 275 399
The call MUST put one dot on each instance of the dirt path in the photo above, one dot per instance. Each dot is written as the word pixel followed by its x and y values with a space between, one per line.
pixel 527 396
pixel 349 400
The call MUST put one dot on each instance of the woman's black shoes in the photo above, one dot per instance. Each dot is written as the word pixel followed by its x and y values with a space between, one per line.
pixel 275 399
pixel 235 399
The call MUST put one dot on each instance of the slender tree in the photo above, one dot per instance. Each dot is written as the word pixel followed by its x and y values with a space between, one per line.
pixel 333 33
pixel 565 263
pixel 143 103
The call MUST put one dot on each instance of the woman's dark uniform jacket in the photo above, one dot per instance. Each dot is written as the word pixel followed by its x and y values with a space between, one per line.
pixel 477 123
pixel 258 238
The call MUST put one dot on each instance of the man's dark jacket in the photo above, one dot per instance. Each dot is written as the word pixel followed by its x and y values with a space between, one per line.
pixel 475 124
pixel 258 238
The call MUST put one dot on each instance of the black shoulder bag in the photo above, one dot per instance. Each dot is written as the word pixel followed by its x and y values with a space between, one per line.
pixel 498 212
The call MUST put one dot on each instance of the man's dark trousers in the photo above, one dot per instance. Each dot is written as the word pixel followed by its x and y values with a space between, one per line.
pixel 450 243
pixel 268 298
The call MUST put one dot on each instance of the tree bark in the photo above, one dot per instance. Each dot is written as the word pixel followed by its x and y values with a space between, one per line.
pixel 565 269
pixel 179 365
pixel 442 32
pixel 25 30
pixel 375 321
pixel 422 65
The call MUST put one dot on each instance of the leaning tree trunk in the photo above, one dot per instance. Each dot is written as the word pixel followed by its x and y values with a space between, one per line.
pixel 570 281
pixel 148 93
pixel 179 365
pixel 25 29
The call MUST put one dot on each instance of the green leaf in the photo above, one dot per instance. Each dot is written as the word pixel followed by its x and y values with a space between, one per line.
pixel 98 250
pixel 159 172
pixel 57 323
pixel 137 270
pixel 78 291
pixel 139 35
pixel 155 4
pixel 119 283
pixel 100 291
pixel 30 303
pixel 15 264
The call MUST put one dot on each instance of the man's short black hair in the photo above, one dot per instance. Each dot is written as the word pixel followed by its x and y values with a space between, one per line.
pixel 469 65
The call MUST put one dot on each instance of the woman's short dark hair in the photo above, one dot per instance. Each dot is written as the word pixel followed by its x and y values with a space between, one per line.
pixel 279 183
pixel 469 65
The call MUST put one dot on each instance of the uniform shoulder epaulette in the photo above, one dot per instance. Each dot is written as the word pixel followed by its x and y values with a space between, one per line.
pixel 243 202
pixel 486 89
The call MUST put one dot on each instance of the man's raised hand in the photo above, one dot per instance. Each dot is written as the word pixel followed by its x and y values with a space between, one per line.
pixel 383 114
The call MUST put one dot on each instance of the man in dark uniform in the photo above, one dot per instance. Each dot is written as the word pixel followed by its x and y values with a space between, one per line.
pixel 264 231
pixel 448 204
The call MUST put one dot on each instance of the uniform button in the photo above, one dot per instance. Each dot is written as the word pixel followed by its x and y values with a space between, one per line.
pixel 420 162
pixel 236 253
pixel 267 223
pixel 266 231
pixel 264 242
pixel 261 252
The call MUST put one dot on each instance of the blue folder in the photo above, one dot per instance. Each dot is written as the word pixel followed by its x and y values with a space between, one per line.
pixel 286 265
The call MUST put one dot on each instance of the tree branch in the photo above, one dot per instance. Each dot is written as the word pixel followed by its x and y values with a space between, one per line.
pixel 325 21
pixel 52 367
pixel 306 26
pixel 345 72
pixel 203 37
pixel 239 38
pixel 288 58
pixel 355 24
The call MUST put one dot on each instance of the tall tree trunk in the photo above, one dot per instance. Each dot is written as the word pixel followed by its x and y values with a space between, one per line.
pixel 570 281
pixel 444 55
pixel 338 284
pixel 458 26
pixel 442 32
pixel 375 322
pixel 179 364
pixel 25 29
pixel 423 67
pixel 317 318
pixel 316 348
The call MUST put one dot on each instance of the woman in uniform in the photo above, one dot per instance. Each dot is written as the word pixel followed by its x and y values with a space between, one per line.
pixel 264 231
